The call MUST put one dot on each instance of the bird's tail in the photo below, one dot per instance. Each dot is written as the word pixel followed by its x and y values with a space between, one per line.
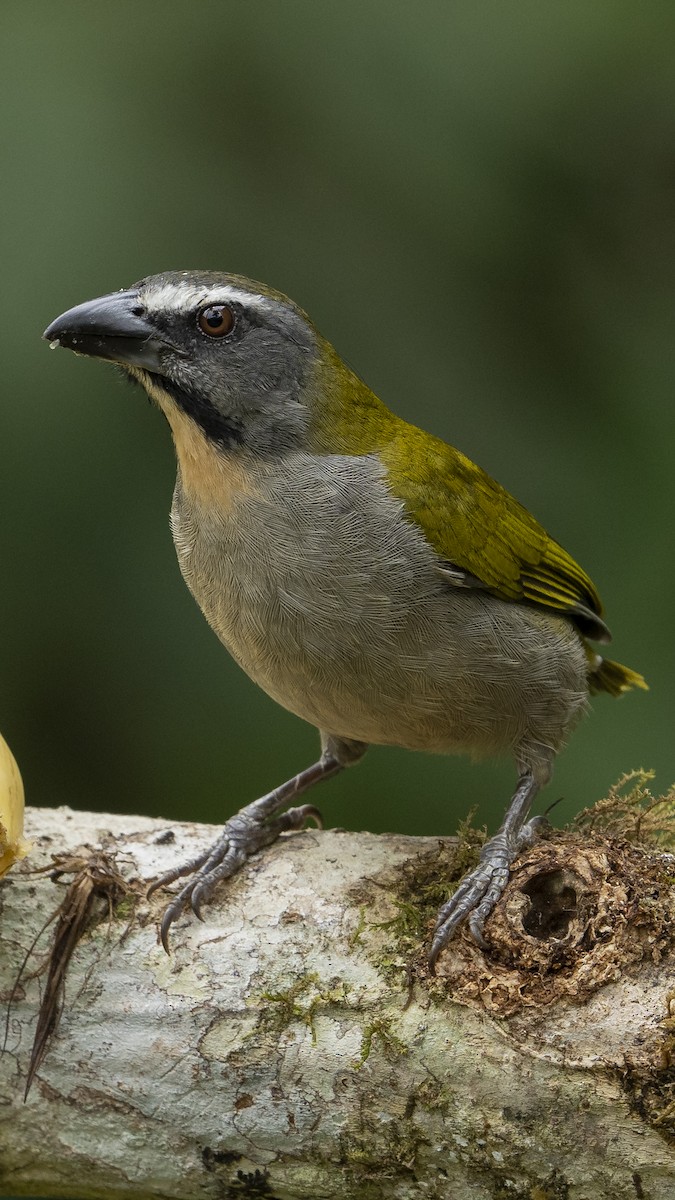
pixel 604 675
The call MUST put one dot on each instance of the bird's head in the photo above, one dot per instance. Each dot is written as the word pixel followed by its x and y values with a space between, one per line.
pixel 233 356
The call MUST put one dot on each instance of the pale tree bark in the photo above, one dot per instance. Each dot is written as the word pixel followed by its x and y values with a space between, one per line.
pixel 293 1045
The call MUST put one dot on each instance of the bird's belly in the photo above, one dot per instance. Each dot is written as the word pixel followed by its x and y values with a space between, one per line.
pixel 475 685
pixel 349 625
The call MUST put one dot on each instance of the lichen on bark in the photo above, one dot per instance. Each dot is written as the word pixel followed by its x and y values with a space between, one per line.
pixel 295 1047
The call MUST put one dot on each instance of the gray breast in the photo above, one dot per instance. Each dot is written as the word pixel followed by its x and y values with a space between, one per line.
pixel 331 600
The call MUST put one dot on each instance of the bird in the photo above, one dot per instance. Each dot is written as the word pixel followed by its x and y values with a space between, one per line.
pixel 368 576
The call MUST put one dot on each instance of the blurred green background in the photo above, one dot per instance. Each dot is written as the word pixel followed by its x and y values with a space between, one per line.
pixel 476 204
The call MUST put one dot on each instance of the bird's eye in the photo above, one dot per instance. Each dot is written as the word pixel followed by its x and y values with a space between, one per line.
pixel 217 320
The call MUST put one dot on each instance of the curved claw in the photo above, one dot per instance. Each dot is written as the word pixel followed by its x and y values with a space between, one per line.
pixel 311 813
pixel 164 934
pixel 295 818
pixel 476 926
pixel 170 914
pixel 470 892
pixel 479 892
pixel 247 832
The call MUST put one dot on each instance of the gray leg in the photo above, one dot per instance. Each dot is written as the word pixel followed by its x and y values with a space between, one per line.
pixel 480 890
pixel 251 829
pixel 244 834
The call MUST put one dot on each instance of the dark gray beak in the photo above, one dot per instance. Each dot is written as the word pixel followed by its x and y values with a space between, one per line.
pixel 113 327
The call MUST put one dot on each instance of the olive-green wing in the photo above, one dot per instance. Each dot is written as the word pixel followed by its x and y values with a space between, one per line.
pixel 483 536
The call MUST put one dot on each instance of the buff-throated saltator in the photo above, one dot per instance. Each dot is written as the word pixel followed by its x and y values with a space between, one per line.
pixel 366 575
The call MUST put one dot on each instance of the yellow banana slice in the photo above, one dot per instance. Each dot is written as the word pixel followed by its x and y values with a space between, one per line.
pixel 12 843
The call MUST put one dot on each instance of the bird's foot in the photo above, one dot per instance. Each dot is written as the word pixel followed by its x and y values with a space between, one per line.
pixel 479 891
pixel 249 830
pixel 243 835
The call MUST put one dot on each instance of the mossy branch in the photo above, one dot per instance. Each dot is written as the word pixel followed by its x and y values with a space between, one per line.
pixel 294 1045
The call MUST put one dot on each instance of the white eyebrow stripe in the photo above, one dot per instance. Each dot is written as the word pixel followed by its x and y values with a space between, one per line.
pixel 239 296
pixel 185 299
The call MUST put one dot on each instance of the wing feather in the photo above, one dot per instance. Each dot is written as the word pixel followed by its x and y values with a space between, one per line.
pixel 483 536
